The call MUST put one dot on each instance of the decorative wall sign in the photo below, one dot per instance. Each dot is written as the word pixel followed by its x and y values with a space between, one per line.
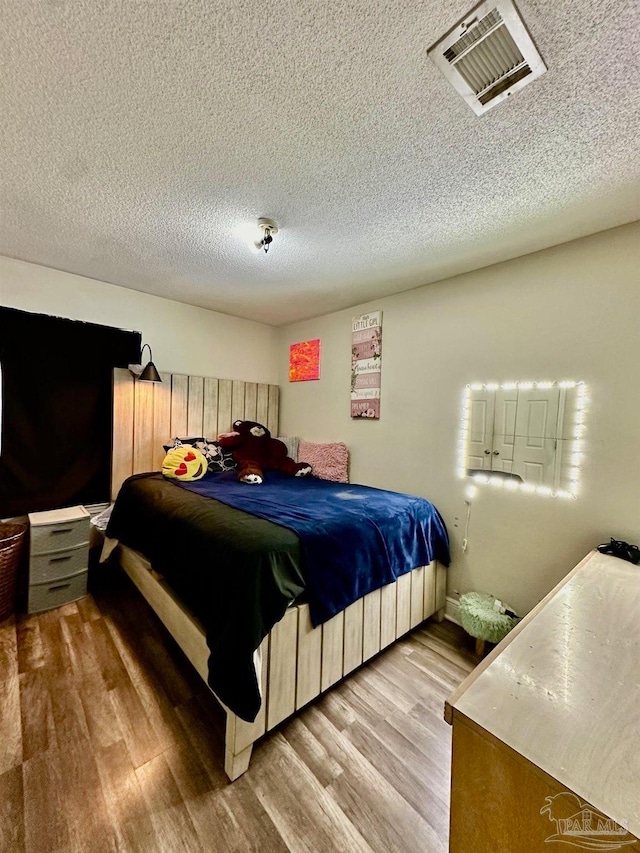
pixel 304 361
pixel 366 365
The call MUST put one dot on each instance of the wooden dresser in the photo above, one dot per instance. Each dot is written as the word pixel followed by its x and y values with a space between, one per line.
pixel 58 558
pixel 546 730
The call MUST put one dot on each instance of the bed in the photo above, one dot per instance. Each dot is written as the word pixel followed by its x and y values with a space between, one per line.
pixel 294 661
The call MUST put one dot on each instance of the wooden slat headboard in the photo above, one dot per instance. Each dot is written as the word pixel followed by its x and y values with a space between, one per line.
pixel 147 414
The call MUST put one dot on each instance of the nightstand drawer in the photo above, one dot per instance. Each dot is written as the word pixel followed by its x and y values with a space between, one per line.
pixel 54 537
pixel 58 564
pixel 44 596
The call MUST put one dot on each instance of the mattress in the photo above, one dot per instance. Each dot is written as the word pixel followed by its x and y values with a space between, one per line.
pixel 239 569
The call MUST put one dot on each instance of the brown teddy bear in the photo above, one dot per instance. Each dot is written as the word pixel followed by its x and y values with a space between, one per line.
pixel 255 452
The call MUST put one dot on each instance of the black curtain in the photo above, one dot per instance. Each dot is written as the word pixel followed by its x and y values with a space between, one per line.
pixel 57 404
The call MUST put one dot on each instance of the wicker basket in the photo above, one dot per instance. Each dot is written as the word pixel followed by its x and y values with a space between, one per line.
pixel 11 539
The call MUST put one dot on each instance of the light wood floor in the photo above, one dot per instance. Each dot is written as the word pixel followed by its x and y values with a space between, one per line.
pixel 110 742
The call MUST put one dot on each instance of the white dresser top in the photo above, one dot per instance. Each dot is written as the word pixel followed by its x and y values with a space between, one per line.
pixel 565 692
pixel 58 516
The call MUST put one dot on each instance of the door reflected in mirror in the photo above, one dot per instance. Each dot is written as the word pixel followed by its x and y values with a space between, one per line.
pixel 524 435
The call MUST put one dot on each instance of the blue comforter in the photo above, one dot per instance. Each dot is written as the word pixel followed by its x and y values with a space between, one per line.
pixel 355 538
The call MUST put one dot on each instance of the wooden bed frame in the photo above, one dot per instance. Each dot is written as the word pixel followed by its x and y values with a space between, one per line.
pixel 296 662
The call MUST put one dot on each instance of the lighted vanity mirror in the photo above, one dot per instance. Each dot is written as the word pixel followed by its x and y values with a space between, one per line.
pixel 524 435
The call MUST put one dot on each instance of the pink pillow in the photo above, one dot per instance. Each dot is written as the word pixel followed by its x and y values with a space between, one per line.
pixel 329 461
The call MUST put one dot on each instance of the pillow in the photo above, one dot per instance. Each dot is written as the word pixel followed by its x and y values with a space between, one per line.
pixel 184 463
pixel 291 443
pixel 181 442
pixel 328 461
pixel 219 459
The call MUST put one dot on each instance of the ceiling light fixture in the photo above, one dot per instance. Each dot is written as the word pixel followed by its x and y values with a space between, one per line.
pixel 268 228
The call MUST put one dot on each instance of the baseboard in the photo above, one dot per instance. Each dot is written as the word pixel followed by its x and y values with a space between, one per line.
pixel 451 610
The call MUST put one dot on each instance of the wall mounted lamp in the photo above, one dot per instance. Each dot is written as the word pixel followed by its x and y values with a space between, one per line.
pixel 148 373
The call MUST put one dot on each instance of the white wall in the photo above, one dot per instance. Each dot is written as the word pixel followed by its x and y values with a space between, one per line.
pixel 570 312
pixel 184 339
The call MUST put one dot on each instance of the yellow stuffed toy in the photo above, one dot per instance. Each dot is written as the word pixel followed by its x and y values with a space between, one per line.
pixel 184 463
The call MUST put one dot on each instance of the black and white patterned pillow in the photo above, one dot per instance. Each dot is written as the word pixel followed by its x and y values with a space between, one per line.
pixel 218 458
pixel 182 442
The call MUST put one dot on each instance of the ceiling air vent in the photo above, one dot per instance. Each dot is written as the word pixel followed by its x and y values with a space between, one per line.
pixel 489 55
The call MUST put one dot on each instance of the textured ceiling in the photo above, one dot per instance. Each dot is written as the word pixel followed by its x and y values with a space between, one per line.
pixel 137 136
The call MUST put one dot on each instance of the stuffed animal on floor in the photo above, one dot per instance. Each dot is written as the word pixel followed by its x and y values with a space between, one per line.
pixel 255 452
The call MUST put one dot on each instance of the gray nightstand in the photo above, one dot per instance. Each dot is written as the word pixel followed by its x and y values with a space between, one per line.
pixel 59 557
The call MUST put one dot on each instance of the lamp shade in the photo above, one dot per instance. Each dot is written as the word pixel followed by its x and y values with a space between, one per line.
pixel 149 373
